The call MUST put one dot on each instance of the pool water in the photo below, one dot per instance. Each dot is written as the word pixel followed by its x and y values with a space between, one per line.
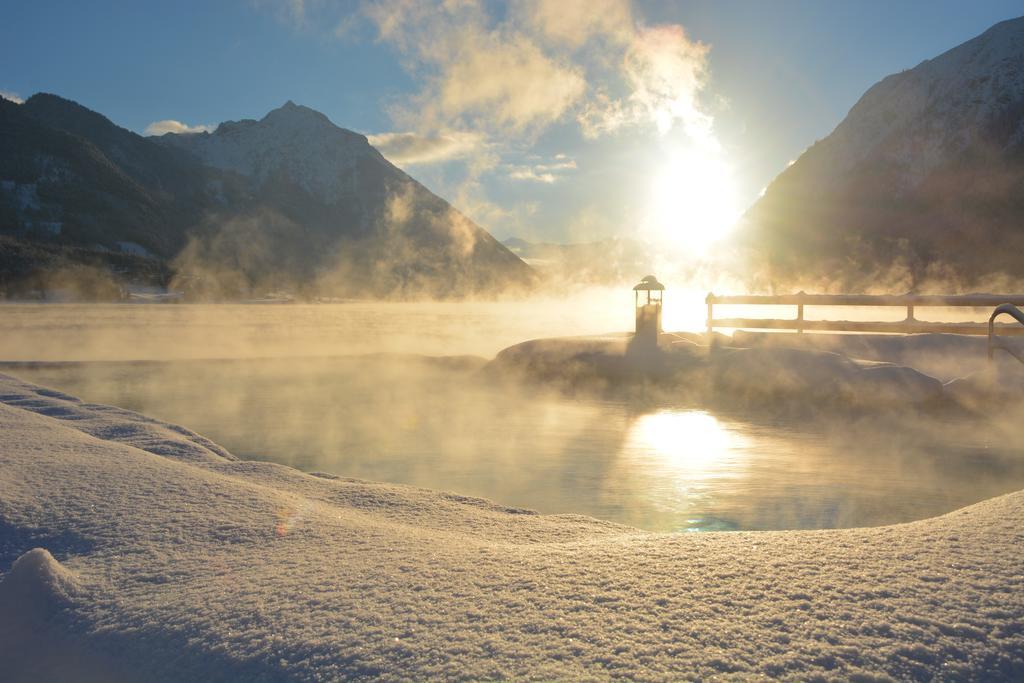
pixel 652 464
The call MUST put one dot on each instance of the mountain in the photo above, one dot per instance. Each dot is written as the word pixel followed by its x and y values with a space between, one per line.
pixel 290 201
pixel 922 181
pixel 361 219
pixel 68 172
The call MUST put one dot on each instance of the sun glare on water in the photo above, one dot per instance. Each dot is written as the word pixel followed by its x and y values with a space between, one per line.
pixel 688 445
pixel 693 200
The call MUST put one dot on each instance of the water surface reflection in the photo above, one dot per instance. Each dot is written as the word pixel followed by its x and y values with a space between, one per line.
pixel 439 424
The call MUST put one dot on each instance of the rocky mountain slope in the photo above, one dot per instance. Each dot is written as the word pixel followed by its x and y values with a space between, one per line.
pixel 361 218
pixel 290 201
pixel 70 176
pixel 923 180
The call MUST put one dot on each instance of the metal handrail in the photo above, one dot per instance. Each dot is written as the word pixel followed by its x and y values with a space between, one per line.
pixel 1012 311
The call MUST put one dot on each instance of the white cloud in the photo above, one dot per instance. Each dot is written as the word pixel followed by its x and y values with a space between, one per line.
pixel 519 71
pixel 512 83
pixel 477 74
pixel 11 97
pixel 407 149
pixel 512 71
pixel 172 126
pixel 531 173
pixel 665 72
pixel 543 173
pixel 562 164
pixel 575 22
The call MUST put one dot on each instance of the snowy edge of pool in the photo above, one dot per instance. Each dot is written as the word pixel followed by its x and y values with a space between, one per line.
pixel 162 557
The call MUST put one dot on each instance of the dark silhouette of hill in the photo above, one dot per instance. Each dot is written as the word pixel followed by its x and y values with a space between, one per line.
pixel 313 208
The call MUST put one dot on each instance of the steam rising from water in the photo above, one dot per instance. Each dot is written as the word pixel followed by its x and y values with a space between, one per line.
pixel 54 332
pixel 652 460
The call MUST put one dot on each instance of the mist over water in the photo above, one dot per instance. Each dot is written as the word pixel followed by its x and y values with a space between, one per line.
pixel 57 332
pixel 293 384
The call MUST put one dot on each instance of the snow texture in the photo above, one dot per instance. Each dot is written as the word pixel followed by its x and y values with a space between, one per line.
pixel 25 195
pixel 294 141
pixel 135 249
pixel 759 374
pixel 935 111
pixel 171 560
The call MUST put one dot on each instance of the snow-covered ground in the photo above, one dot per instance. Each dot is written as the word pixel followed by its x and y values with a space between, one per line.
pixel 168 559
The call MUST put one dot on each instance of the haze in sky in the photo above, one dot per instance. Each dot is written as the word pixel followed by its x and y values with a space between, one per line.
pixel 558 120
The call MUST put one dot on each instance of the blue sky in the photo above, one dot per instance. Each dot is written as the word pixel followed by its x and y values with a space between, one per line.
pixel 550 120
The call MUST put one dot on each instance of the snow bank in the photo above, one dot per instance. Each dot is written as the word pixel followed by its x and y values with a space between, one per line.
pixel 38 578
pixel 758 374
pixel 944 356
pixel 762 374
pixel 35 641
pixel 180 563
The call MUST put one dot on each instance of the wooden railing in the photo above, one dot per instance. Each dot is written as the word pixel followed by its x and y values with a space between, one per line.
pixel 907 326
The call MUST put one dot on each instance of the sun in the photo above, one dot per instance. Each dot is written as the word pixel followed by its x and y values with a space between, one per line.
pixel 693 200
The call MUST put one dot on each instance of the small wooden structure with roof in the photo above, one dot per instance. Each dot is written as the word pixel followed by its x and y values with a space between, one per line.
pixel 648 295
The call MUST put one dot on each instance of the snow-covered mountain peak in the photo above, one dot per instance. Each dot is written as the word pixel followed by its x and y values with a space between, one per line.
pixel 292 141
pixel 925 174
pixel 291 115
pixel 920 117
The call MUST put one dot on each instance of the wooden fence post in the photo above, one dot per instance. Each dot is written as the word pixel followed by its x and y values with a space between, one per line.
pixel 710 299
